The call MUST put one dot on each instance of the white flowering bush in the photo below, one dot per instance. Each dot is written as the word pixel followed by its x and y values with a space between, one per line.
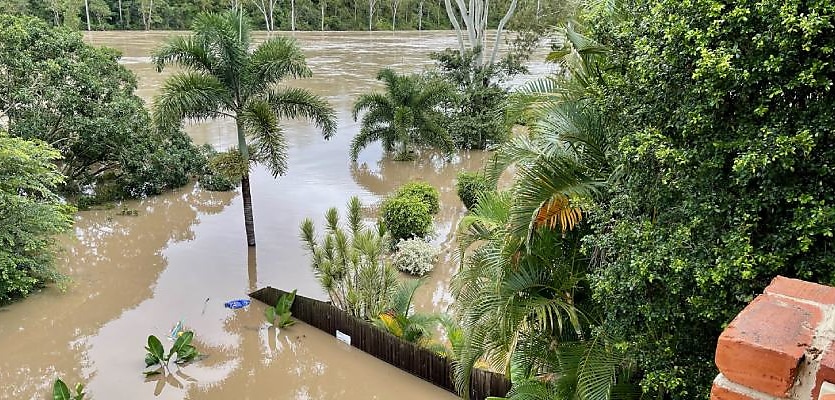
pixel 415 256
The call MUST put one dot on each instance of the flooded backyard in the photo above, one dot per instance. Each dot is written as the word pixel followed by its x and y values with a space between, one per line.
pixel 184 255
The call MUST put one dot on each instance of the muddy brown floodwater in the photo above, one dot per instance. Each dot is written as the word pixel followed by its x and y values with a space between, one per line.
pixel 184 255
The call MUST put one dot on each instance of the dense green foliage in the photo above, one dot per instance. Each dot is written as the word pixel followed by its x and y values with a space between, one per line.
pixel 217 175
pixel 728 144
pixel 475 116
pixel 404 118
pixel 224 76
pixel 470 186
pixel 82 102
pixel 30 215
pixel 696 140
pixel 406 217
pixel 310 14
pixel 423 191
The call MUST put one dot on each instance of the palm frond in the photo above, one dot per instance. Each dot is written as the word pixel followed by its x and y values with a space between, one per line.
pixel 226 37
pixel 401 301
pixel 373 102
pixel 191 95
pixel 538 183
pixel 300 103
pixel 269 145
pixel 365 137
pixel 276 59
pixel 557 211
pixel 186 52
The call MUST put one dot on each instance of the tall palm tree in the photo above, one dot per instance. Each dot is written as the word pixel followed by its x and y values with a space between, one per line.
pixel 406 114
pixel 566 156
pixel 222 78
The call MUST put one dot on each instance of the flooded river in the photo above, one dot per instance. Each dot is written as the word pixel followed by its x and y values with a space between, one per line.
pixel 184 255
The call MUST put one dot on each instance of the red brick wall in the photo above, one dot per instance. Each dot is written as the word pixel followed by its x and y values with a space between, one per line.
pixel 780 346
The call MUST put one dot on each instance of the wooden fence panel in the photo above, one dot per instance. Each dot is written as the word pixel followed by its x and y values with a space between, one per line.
pixel 409 357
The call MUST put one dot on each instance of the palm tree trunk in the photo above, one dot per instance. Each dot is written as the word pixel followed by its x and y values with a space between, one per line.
pixel 249 221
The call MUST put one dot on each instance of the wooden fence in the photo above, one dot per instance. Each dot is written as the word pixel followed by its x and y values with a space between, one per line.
pixel 407 356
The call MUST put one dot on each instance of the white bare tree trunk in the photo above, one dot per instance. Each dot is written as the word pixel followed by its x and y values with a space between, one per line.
pixel 394 4
pixel 272 14
pixel 371 4
pixel 87 12
pixel 420 15
pixel 293 15
pixel 322 7
pixel 121 22
pixel 261 5
pixel 472 19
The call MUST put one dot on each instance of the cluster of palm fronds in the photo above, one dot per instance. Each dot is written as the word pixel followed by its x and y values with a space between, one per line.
pixel 404 117
pixel 522 295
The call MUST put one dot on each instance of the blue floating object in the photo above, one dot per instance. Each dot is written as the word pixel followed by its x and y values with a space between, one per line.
pixel 235 304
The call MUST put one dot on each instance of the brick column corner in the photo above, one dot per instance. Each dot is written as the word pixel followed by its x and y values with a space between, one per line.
pixel 780 346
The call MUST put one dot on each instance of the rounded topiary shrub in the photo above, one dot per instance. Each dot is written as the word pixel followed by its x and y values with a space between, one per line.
pixel 469 186
pixel 415 256
pixel 423 191
pixel 406 217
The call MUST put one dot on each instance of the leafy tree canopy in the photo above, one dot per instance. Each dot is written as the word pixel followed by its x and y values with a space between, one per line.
pixel 30 214
pixel 729 147
pixel 78 98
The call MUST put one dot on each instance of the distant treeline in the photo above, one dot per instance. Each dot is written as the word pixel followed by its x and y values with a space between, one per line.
pixel 269 14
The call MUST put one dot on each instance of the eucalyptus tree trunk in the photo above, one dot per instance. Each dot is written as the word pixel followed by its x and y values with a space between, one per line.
pixel 272 14
pixel 322 7
pixel 293 15
pixel 371 4
pixel 249 221
pixel 262 6
pixel 420 15
pixel 471 19
pixel 121 22
pixel 394 5
pixel 87 13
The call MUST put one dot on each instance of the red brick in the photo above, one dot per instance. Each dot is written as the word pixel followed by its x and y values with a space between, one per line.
pixel 722 393
pixel 762 347
pixel 826 372
pixel 802 290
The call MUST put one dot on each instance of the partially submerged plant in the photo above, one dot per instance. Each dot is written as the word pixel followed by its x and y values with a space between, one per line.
pixel 280 315
pixel 60 391
pixel 415 256
pixel 350 263
pixel 156 355
pixel 402 321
